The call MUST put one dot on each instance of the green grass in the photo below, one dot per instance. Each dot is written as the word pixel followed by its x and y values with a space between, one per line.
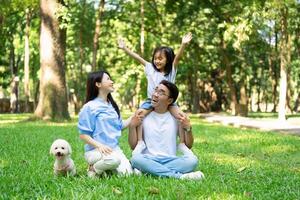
pixel 238 164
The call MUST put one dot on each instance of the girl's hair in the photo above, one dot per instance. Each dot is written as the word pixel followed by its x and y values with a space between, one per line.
pixel 92 90
pixel 169 55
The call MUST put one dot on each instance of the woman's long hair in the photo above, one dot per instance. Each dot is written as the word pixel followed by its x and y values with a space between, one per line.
pixel 92 91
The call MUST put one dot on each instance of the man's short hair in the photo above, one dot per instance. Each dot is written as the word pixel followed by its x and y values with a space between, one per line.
pixel 172 89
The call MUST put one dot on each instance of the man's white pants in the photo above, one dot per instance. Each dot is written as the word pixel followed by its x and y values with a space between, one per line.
pixel 116 160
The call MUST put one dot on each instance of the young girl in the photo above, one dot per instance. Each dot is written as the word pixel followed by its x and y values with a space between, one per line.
pixel 163 67
pixel 100 127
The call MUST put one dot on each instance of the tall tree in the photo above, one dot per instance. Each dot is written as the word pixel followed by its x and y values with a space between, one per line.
pixel 283 62
pixel 26 60
pixel 53 95
pixel 97 33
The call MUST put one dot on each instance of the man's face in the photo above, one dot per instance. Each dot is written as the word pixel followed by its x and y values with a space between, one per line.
pixel 161 97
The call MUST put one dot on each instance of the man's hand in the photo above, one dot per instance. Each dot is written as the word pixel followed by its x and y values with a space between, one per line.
pixel 187 38
pixel 185 121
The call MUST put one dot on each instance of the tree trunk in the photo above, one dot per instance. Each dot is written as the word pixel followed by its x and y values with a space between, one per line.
pixel 97 33
pixel 81 29
pixel 283 64
pixel 228 67
pixel 139 72
pixel 14 86
pixel 53 102
pixel 26 62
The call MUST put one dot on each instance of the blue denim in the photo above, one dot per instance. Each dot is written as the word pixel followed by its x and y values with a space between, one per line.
pixel 164 167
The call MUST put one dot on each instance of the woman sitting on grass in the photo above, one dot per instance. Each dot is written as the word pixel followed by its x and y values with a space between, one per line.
pixel 100 127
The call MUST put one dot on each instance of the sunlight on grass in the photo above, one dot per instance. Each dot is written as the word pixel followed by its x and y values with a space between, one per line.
pixel 235 161
pixel 241 137
pixel 273 149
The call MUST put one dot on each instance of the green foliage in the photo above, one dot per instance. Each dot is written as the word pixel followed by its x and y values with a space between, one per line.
pixel 238 164
pixel 250 31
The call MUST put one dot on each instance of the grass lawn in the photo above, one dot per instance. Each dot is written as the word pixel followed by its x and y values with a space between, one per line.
pixel 238 164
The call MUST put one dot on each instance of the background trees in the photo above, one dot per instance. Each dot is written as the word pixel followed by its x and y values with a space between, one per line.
pixel 242 57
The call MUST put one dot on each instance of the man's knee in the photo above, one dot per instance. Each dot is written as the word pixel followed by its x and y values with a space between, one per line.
pixel 137 160
pixel 192 161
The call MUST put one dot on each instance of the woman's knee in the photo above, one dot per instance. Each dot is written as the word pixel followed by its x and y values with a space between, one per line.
pixel 112 161
pixel 92 157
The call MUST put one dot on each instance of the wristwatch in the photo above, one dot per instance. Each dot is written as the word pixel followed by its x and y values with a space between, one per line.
pixel 188 129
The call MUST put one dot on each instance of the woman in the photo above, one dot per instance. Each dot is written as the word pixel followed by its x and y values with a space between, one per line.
pixel 100 127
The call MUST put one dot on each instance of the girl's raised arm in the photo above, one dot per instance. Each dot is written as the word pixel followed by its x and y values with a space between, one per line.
pixel 185 40
pixel 137 57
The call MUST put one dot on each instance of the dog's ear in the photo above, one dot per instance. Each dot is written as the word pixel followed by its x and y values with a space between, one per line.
pixel 69 147
pixel 52 149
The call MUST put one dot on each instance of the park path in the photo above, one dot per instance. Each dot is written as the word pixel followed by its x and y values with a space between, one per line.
pixel 290 126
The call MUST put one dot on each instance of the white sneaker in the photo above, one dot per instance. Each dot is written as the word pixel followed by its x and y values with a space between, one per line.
pixel 181 147
pixel 197 175
pixel 137 172
pixel 139 147
pixel 91 174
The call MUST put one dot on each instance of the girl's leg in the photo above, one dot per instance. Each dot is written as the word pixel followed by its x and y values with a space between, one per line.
pixel 139 131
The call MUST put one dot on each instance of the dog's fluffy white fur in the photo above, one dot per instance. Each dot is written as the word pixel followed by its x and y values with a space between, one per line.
pixel 63 165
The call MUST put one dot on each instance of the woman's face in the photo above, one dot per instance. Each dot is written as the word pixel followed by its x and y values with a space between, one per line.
pixel 107 84
pixel 160 60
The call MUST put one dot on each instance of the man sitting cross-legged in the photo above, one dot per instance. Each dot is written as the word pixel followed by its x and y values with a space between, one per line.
pixel 160 133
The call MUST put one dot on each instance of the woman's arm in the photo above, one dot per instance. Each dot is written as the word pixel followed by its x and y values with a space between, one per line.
pixel 135 56
pixel 97 145
pixel 185 40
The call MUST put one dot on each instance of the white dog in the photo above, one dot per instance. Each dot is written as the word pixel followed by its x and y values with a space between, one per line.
pixel 63 165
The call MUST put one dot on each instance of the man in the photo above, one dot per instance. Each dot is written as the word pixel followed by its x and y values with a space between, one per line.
pixel 160 131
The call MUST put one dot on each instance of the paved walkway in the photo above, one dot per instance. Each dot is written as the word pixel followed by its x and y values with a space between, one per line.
pixel 290 126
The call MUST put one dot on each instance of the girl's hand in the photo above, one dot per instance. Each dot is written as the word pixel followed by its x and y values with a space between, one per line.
pixel 187 38
pixel 121 43
pixel 103 149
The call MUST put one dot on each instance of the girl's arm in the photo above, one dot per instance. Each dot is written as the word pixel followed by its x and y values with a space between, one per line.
pixel 101 147
pixel 135 56
pixel 185 40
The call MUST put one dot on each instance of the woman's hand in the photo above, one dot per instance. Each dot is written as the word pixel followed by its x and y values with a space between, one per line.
pixel 103 149
pixel 137 118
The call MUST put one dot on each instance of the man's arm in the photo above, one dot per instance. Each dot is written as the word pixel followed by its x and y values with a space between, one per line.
pixel 187 130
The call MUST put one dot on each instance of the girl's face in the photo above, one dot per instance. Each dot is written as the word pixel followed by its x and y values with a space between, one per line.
pixel 106 84
pixel 160 60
